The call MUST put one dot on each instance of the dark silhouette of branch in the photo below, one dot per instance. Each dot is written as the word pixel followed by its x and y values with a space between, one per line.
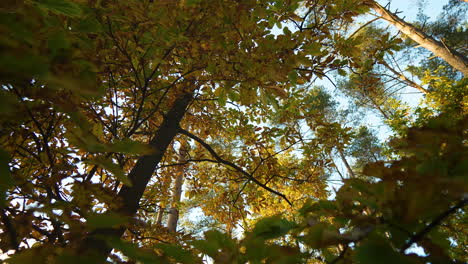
pixel 239 192
pixel 363 26
pixel 437 221
pixel 230 164
pixel 186 162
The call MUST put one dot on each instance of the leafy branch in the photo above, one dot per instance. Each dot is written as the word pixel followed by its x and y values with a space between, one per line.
pixel 230 164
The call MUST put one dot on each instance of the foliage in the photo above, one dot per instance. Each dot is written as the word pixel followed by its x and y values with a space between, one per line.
pixel 365 147
pixel 96 97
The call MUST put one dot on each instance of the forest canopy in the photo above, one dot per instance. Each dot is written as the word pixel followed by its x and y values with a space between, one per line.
pixel 248 131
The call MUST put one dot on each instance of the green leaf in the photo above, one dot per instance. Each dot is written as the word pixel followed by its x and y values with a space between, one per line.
pixel 177 253
pixel 63 7
pixel 211 68
pixel 8 104
pixel 248 95
pixel 322 235
pixel 33 255
pixel 133 251
pixel 440 238
pixel 221 94
pixel 272 227
pixel 23 65
pixel 342 72
pixel 89 25
pixel 375 169
pixel 131 147
pixel 192 2
pixel 57 42
pixel 72 258
pixel 108 165
pixel 78 84
pixel 16 29
pixel 214 240
pixel 292 76
pixel 377 250
pixel 323 206
pixel 209 248
pixel 313 48
pixel 105 220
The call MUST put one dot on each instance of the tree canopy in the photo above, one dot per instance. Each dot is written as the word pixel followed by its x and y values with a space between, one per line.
pixel 195 131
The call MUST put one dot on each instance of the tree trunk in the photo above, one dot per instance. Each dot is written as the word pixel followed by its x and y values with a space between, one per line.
pixel 177 191
pixel 167 181
pixel 457 60
pixel 343 158
pixel 160 215
pixel 94 244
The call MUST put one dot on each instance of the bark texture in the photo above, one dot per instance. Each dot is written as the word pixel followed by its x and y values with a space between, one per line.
pixel 348 167
pixel 457 60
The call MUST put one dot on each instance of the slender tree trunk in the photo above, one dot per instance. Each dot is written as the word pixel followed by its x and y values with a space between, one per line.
pixel 457 60
pixel 160 215
pixel 177 191
pixel 167 181
pixel 94 244
pixel 337 170
pixel 343 158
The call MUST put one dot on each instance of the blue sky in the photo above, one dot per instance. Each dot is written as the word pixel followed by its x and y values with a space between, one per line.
pixel 409 8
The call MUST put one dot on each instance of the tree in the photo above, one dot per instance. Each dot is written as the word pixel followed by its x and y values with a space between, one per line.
pixel 451 56
pixel 365 147
pixel 177 189
pixel 136 67
pixel 91 115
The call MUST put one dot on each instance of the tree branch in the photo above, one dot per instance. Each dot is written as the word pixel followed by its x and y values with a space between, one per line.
pixel 437 221
pixel 232 165
pixel 455 59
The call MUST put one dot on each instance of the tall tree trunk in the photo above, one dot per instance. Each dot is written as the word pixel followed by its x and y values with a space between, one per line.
pixel 177 191
pixel 160 215
pixel 457 60
pixel 167 181
pixel 93 244
pixel 337 170
pixel 343 159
